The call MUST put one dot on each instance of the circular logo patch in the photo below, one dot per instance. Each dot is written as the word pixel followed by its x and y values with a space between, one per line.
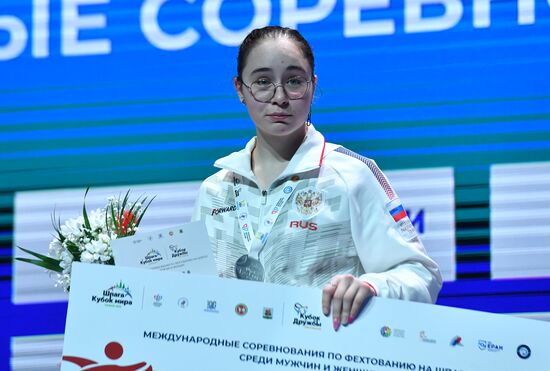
pixel 241 309
pixel 183 302
pixel 524 351
pixel 385 331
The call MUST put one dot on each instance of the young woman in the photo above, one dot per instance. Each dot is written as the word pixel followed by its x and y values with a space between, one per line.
pixel 292 209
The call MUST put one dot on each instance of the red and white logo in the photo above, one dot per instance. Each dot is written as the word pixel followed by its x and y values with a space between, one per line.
pixel 300 224
pixel 241 309
pixel 113 351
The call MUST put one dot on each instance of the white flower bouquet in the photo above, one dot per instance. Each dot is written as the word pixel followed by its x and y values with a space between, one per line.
pixel 87 238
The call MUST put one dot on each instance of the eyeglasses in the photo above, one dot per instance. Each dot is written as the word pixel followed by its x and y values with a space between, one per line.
pixel 263 90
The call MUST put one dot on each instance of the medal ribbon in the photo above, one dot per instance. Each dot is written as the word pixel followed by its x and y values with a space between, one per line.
pixel 255 242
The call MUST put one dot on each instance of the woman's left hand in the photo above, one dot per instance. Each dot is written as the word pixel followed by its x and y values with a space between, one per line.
pixel 346 295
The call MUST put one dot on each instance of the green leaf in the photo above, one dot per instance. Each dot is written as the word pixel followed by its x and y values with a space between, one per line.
pixel 131 211
pixel 43 258
pixel 43 264
pixel 125 201
pixel 84 213
pixel 144 210
pixel 57 227
pixel 115 224
pixel 107 220
pixel 73 249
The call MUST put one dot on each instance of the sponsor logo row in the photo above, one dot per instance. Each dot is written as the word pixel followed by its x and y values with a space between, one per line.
pixel 523 351
pixel 303 317
pixel 120 295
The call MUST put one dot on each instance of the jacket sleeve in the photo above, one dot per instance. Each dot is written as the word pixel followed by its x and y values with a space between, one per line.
pixel 394 259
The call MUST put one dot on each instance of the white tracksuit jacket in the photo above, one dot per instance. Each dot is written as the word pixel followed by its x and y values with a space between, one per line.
pixel 337 221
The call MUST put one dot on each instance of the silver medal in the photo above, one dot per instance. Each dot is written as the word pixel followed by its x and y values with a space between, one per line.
pixel 248 268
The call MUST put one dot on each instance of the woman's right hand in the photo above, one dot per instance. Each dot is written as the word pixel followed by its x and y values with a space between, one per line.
pixel 345 295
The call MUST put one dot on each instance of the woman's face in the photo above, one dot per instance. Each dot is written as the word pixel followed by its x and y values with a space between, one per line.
pixel 279 61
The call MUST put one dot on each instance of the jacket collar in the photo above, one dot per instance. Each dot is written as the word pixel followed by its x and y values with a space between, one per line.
pixel 309 156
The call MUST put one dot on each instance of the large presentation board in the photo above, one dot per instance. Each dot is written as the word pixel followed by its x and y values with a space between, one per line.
pixel 450 97
pixel 208 323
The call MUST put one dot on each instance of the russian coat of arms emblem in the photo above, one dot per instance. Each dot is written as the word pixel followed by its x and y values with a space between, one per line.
pixel 309 202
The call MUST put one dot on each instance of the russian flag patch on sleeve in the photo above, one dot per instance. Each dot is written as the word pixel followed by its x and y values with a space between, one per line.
pixel 398 213
pixel 403 223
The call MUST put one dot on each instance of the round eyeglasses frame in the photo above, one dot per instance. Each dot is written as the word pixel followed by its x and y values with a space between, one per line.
pixel 275 86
